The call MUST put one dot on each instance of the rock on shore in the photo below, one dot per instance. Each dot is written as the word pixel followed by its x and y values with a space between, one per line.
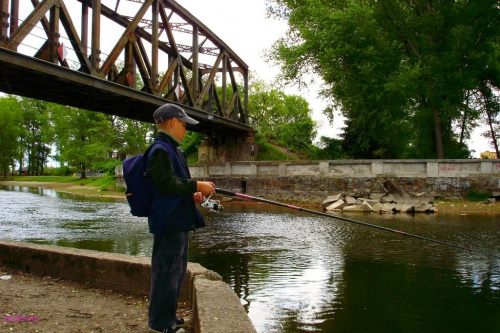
pixel 383 199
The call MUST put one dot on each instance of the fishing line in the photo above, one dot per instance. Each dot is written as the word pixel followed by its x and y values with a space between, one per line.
pixel 399 232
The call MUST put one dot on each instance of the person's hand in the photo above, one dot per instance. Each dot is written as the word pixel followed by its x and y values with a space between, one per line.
pixel 206 188
pixel 198 197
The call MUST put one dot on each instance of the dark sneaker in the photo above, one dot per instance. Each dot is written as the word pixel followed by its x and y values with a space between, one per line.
pixel 179 321
pixel 173 329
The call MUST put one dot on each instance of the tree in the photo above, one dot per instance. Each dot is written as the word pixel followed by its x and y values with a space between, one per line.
pixel 81 137
pixel 134 136
pixel 38 133
pixel 10 120
pixel 191 142
pixel 284 119
pixel 399 71
pixel 328 149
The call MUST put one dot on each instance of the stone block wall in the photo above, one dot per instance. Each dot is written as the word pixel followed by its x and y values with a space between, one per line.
pixel 312 190
pixel 312 181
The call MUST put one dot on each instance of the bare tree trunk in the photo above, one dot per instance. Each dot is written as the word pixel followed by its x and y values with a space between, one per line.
pixel 83 175
pixel 438 133
pixel 13 165
pixel 464 120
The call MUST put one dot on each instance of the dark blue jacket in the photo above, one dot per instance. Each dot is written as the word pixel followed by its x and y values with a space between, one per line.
pixel 173 208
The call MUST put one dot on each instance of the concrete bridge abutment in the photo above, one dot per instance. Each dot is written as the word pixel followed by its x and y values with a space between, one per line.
pixel 222 148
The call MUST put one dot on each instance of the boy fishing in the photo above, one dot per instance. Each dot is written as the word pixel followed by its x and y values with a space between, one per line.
pixel 173 215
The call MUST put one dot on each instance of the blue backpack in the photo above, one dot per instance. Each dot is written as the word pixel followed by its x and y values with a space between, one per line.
pixel 140 188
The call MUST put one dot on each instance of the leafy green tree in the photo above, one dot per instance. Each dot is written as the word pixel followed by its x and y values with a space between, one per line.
pixel 81 137
pixel 281 118
pixel 134 137
pixel 331 148
pixel 399 71
pixel 191 142
pixel 38 133
pixel 10 128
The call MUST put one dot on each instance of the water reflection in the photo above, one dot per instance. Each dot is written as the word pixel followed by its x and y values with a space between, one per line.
pixel 299 273
pixel 45 216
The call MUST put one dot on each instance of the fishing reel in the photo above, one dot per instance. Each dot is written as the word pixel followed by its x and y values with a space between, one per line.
pixel 213 205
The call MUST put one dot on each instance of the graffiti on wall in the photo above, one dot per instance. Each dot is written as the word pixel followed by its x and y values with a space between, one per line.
pixel 448 167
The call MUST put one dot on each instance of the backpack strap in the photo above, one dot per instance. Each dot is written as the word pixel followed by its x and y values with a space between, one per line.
pixel 157 144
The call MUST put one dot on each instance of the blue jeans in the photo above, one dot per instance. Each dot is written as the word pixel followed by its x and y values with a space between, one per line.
pixel 168 271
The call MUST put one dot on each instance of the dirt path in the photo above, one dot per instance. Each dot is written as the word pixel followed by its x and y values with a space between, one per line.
pixel 467 207
pixel 284 151
pixel 30 303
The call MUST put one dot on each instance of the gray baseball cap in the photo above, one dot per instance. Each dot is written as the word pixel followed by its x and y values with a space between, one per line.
pixel 169 111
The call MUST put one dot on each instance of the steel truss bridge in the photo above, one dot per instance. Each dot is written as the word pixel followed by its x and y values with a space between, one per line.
pixel 125 59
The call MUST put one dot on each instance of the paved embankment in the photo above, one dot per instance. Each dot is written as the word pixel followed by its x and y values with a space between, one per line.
pixel 214 305
pixel 31 303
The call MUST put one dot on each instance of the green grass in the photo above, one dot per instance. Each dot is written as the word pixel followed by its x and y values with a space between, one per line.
pixel 51 179
pixel 268 152
pixel 105 183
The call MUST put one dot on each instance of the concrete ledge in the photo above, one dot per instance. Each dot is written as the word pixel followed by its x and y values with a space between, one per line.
pixel 214 304
pixel 348 168
pixel 99 269
pixel 218 309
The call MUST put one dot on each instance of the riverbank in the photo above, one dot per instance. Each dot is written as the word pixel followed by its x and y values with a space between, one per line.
pixel 65 187
pixel 31 303
pixel 48 288
pixel 459 207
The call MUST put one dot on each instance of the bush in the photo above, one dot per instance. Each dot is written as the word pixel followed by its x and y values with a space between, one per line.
pixel 268 152
pixel 476 195
pixel 106 183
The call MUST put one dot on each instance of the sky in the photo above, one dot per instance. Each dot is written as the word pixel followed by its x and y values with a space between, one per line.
pixel 244 27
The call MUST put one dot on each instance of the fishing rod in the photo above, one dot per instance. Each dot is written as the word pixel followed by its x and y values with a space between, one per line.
pixel 399 232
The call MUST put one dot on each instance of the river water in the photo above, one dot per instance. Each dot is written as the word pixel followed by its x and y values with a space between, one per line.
pixel 296 272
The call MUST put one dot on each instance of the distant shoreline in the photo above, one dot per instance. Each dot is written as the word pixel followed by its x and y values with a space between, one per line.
pixel 84 190
pixel 461 207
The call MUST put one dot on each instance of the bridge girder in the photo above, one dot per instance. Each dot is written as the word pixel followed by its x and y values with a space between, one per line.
pixel 141 53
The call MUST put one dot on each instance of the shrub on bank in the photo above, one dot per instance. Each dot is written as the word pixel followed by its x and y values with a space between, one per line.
pixel 476 195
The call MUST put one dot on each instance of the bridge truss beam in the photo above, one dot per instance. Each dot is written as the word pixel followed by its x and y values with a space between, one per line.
pixel 161 50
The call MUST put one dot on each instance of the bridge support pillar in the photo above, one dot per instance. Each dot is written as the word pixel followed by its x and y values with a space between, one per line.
pixel 227 148
pixel 4 22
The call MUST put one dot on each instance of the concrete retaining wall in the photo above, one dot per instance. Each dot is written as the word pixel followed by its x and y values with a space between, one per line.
pixel 351 168
pixel 346 168
pixel 210 297
pixel 312 181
